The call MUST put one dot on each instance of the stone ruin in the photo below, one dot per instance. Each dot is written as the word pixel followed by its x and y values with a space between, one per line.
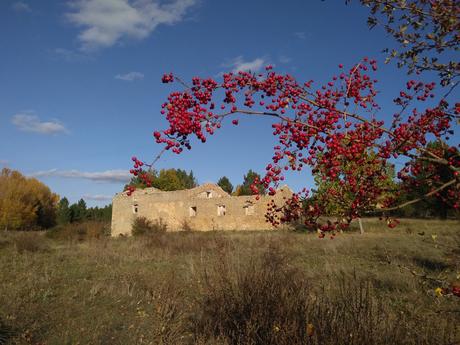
pixel 203 208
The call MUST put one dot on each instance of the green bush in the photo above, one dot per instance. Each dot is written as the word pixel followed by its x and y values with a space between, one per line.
pixel 142 226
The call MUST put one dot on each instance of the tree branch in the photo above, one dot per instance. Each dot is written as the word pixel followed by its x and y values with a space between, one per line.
pixel 445 185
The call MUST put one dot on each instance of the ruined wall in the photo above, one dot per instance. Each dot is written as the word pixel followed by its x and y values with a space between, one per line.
pixel 203 208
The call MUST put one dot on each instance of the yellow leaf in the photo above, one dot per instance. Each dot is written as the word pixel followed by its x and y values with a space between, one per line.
pixel 310 329
pixel 438 292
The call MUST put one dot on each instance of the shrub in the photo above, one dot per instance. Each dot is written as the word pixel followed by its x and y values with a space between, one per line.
pixel 266 301
pixel 79 231
pixel 97 230
pixel 29 242
pixel 258 302
pixel 4 243
pixel 143 226
pixel 185 225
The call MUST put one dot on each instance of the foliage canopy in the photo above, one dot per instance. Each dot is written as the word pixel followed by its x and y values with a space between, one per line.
pixel 25 203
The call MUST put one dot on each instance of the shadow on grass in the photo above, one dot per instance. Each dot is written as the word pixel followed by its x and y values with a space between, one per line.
pixel 5 333
pixel 431 264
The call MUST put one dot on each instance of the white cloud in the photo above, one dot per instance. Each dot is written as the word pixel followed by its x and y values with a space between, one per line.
pixel 20 6
pixel 300 35
pixel 238 64
pixel 285 59
pixel 97 197
pixel 107 22
pixel 131 76
pixel 29 122
pixel 69 55
pixel 3 162
pixel 113 176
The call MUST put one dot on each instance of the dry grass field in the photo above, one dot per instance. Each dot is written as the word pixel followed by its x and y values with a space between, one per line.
pixel 247 288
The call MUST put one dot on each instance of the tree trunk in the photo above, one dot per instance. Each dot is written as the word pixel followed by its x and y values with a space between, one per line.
pixel 361 228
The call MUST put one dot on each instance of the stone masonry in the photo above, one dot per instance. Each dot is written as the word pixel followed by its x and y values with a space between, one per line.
pixel 204 208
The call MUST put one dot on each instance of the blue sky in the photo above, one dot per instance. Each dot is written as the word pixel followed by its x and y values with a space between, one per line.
pixel 80 81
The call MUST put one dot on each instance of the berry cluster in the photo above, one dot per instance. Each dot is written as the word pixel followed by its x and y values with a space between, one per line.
pixel 331 129
pixel 138 171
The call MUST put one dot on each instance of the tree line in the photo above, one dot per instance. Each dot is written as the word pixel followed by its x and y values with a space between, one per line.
pixel 79 212
pixel 177 179
pixel 28 204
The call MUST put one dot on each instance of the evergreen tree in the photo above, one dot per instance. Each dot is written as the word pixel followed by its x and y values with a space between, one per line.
pixel 64 215
pixel 248 180
pixel 225 184
pixel 102 214
pixel 78 211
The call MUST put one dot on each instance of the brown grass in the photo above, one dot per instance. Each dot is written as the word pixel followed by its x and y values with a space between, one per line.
pixel 30 242
pixel 266 300
pixel 145 227
pixel 230 288
pixel 78 232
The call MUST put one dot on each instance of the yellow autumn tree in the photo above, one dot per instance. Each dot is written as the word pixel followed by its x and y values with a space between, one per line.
pixel 25 203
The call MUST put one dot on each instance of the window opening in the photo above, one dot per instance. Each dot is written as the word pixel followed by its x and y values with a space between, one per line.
pixel 249 210
pixel 221 210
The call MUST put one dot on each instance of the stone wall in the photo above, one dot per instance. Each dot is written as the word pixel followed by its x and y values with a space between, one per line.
pixel 204 208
